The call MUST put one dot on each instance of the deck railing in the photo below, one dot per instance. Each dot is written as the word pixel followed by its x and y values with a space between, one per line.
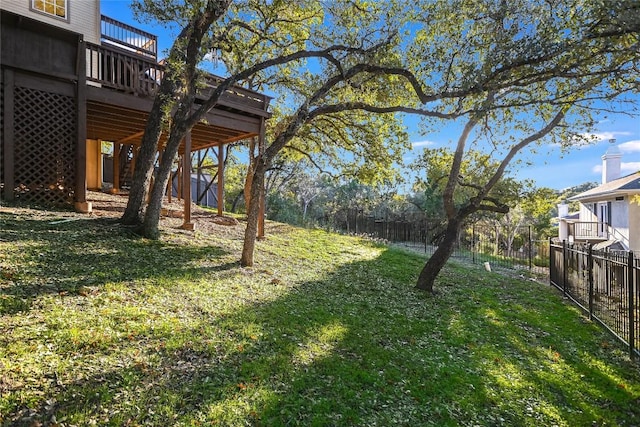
pixel 128 37
pixel 596 231
pixel 115 68
pixel 118 69
pixel 588 230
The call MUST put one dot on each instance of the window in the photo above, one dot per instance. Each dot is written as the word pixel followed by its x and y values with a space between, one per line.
pixel 57 8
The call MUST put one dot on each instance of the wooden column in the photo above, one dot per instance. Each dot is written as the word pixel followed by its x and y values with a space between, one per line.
pixel 8 80
pixel 199 177
pixel 116 168
pixel 220 179
pixel 186 185
pixel 80 191
pixel 262 211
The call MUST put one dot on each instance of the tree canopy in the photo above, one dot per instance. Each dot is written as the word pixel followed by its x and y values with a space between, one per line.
pixel 513 75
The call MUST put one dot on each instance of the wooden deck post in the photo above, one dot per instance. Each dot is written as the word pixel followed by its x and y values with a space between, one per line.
pixel 80 190
pixel 186 185
pixel 116 168
pixel 220 179
pixel 261 212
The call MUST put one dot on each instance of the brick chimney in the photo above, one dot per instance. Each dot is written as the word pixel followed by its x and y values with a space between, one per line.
pixel 611 163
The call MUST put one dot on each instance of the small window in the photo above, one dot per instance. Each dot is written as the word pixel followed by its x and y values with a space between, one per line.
pixel 57 8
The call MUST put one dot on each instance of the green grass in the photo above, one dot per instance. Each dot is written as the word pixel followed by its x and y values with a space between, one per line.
pixel 98 327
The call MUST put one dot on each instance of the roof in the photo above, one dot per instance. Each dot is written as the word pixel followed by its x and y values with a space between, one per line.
pixel 625 185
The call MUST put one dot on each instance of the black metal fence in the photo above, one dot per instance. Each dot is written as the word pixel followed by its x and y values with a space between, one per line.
pixel 605 284
pixel 518 247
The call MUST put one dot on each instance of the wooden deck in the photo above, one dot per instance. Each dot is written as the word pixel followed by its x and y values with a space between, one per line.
pixel 121 86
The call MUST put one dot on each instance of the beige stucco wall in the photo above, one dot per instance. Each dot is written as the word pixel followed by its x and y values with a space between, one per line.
pixel 83 16
pixel 586 215
pixel 634 226
pixel 94 164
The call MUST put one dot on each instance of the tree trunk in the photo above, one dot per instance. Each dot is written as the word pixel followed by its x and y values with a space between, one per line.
pixel 146 160
pixel 193 33
pixel 440 257
pixel 250 171
pixel 152 214
pixel 253 211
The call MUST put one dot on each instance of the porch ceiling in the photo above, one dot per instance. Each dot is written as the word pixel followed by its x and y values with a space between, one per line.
pixel 120 124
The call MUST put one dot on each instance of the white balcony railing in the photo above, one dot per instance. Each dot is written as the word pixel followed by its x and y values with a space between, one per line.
pixel 596 231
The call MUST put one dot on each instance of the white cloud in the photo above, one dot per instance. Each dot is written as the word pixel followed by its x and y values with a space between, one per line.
pixel 586 139
pixel 625 168
pixel 418 144
pixel 604 136
pixel 629 167
pixel 630 146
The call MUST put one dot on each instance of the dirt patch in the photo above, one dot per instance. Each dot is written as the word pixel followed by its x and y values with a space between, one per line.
pixel 110 206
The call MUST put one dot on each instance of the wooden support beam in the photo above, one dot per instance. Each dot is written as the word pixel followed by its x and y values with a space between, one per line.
pixel 199 177
pixel 186 185
pixel 262 212
pixel 80 191
pixel 220 179
pixel 116 168
pixel 130 137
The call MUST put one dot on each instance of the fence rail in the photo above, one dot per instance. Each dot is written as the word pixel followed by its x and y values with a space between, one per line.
pixel 605 284
pixel 517 248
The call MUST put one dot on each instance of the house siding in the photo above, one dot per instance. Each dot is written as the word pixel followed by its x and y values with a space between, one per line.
pixel 586 213
pixel 84 16
pixel 634 226
pixel 620 217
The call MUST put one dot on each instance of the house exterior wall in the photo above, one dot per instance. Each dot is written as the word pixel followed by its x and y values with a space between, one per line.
pixel 634 226
pixel 586 213
pixel 619 216
pixel 620 219
pixel 84 16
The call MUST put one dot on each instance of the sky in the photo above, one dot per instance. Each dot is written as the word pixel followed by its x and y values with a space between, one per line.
pixel 550 167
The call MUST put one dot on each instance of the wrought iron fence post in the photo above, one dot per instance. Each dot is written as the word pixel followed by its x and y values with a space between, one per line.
pixel 632 334
pixel 590 278
pixel 565 267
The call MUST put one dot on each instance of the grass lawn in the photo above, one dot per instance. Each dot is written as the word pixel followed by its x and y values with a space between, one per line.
pixel 98 327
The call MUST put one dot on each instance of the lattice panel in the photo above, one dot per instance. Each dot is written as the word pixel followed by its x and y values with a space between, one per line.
pixel 45 140
pixel 1 135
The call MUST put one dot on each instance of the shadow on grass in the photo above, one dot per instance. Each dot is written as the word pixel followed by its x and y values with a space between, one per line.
pixel 357 347
pixel 81 256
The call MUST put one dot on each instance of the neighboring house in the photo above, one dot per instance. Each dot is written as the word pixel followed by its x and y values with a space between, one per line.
pixel 71 78
pixel 609 215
